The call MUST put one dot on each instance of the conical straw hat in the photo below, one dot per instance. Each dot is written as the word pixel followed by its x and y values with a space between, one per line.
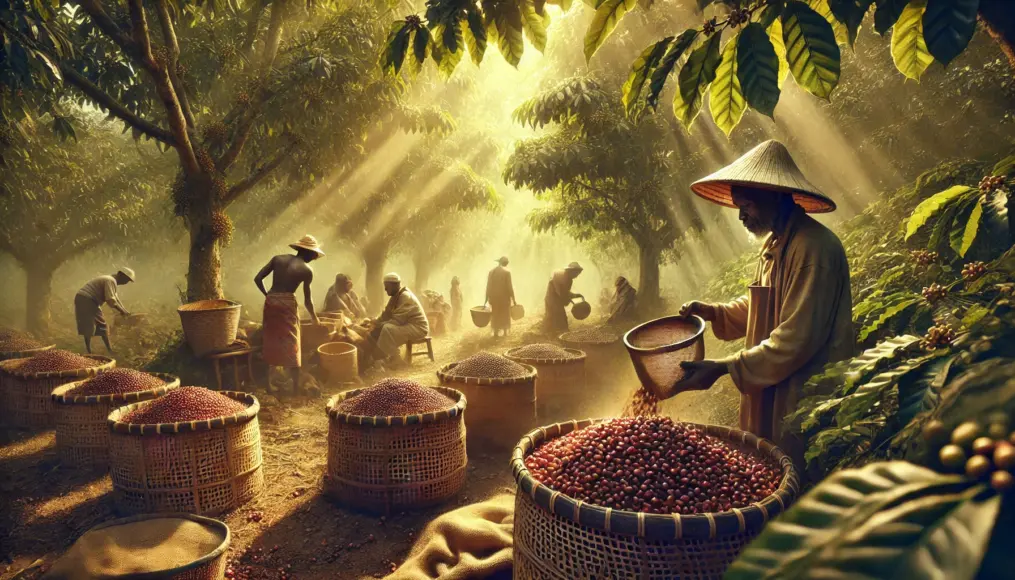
pixel 308 243
pixel 767 166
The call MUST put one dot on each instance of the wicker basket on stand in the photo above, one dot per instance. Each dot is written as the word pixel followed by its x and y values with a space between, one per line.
pixel 209 325
pixel 204 467
pixel 557 537
pixel 499 409
pixel 27 397
pixel 385 464
pixel 7 355
pixel 559 381
pixel 82 430
pixel 210 566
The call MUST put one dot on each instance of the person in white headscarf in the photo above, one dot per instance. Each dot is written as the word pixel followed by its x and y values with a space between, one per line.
pixel 402 321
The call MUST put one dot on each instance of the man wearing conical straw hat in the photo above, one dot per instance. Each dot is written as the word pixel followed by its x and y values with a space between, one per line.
pixel 281 333
pixel 797 315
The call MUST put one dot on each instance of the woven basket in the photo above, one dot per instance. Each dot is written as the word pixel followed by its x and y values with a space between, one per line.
pixel 658 346
pixel 340 361
pixel 7 355
pixel 82 431
pixel 559 382
pixel 211 566
pixel 385 464
pixel 559 538
pixel 28 402
pixel 209 325
pixel 203 467
pixel 499 409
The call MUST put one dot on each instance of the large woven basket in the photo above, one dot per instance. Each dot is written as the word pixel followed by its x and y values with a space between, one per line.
pixel 560 382
pixel 203 467
pixel 82 430
pixel 559 538
pixel 209 325
pixel 27 397
pixel 658 346
pixel 499 409
pixel 385 464
pixel 211 566
pixel 7 355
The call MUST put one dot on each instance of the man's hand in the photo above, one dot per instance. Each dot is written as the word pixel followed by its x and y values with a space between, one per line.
pixel 700 375
pixel 695 308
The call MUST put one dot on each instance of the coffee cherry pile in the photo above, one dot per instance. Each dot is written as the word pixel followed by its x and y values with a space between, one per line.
pixel 56 360
pixel 934 292
pixel 985 453
pixel 542 350
pixel 184 404
pixel 486 365
pixel 925 258
pixel 973 270
pixel 653 465
pixel 14 341
pixel 643 403
pixel 991 183
pixel 117 382
pixel 938 335
pixel 596 335
pixel 395 398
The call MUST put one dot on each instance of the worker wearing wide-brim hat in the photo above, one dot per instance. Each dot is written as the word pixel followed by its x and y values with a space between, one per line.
pixel 558 296
pixel 88 305
pixel 797 314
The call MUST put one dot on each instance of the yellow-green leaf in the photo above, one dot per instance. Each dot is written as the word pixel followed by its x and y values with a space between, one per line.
pixel 608 14
pixel 909 50
pixel 811 49
pixel 775 35
pixel 645 64
pixel 930 206
pixel 822 8
pixel 508 23
pixel 726 99
pixel 693 80
pixel 758 69
pixel 475 35
pixel 972 228
pixel 535 25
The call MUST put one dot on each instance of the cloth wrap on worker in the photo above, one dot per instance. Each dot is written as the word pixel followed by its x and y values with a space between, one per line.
pixel 281 332
pixel 810 311
pixel 499 293
pixel 558 296
pixel 624 303
pixel 403 320
pixel 470 543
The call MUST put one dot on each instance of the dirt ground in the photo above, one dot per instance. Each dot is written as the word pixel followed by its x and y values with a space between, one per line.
pixel 292 526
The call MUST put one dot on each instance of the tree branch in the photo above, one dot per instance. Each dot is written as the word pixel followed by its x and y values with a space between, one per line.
pixel 109 27
pixel 274 37
pixel 254 178
pixel 253 19
pixel 139 32
pixel 169 36
pixel 115 108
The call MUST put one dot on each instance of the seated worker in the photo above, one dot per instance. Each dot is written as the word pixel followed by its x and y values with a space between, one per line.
pixel 403 320
pixel 342 298
pixel 624 304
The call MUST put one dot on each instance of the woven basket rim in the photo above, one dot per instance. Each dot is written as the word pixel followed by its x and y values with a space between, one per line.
pixel 446 376
pixel 680 344
pixel 563 338
pixel 453 411
pixel 644 524
pixel 11 354
pixel 106 364
pixel 59 394
pixel 244 416
pixel 218 525
pixel 230 305
pixel 580 356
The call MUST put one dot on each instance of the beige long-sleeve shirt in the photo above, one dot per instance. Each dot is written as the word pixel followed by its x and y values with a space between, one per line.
pixel 811 313
pixel 103 291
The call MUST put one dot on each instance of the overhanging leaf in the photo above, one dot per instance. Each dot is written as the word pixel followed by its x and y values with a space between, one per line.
pixel 421 44
pixel 811 50
pixel 822 8
pixel 758 69
pixel 909 50
pixel 397 47
pixel 642 67
pixel 694 78
pixel 887 14
pixel 475 36
pixel 608 14
pixel 775 35
pixel 948 25
pixel 851 13
pixel 507 21
pixel 669 60
pixel 1004 167
pixel 970 230
pixel 726 99
pixel 932 205
pixel 535 25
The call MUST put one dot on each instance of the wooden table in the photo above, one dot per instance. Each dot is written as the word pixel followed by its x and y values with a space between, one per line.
pixel 236 355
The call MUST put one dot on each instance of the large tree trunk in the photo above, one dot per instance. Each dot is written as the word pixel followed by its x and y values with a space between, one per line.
pixel 204 272
pixel 375 256
pixel 648 277
pixel 998 16
pixel 40 292
pixel 424 268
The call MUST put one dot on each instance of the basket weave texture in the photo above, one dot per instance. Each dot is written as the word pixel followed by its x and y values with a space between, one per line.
pixel 383 464
pixel 7 355
pixel 500 410
pixel 209 325
pixel 557 537
pixel 82 430
pixel 27 397
pixel 203 467
pixel 211 566
pixel 559 382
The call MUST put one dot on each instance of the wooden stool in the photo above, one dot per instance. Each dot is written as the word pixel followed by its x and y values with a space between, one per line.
pixel 235 355
pixel 409 353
